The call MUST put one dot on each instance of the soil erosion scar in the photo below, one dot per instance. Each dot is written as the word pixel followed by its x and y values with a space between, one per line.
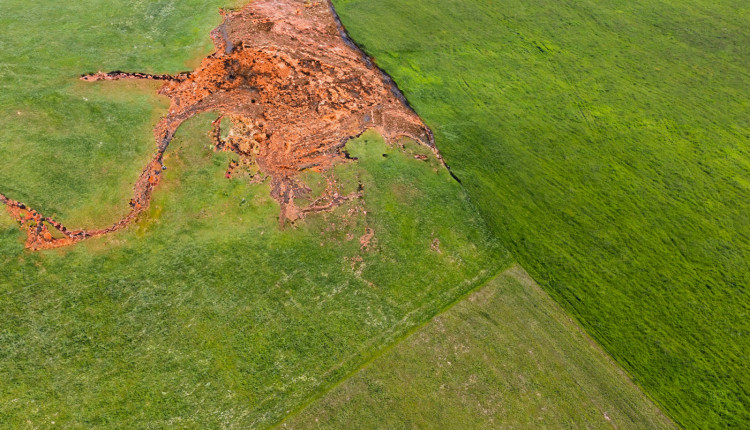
pixel 294 87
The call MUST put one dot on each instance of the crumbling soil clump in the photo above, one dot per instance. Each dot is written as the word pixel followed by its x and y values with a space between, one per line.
pixel 295 89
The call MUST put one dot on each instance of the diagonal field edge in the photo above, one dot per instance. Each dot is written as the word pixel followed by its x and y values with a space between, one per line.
pixel 325 389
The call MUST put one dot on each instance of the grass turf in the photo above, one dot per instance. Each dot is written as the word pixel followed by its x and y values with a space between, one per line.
pixel 205 314
pixel 607 145
pixel 73 149
pixel 507 356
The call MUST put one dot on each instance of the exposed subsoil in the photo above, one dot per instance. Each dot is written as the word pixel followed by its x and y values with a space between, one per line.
pixel 295 89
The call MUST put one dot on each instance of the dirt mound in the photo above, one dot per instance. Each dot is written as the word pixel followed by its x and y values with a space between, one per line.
pixel 295 89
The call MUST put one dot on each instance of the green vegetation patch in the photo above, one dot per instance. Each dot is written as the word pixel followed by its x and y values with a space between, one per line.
pixel 204 314
pixel 73 149
pixel 507 356
pixel 608 145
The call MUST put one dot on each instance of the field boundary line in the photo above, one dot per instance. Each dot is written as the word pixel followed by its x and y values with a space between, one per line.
pixel 324 390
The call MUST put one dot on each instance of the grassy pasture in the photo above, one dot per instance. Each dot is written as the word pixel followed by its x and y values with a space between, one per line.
pixel 605 143
pixel 507 356
pixel 204 314
pixel 608 146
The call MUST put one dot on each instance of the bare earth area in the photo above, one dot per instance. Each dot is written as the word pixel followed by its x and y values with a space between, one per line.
pixel 295 89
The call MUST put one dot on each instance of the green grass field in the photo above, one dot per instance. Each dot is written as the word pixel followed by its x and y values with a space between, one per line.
pixel 206 315
pixel 604 144
pixel 507 357
pixel 608 146
pixel 74 149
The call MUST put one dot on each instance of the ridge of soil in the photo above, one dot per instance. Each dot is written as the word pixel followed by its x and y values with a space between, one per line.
pixel 295 88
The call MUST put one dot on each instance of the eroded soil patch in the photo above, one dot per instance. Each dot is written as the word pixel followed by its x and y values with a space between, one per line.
pixel 295 89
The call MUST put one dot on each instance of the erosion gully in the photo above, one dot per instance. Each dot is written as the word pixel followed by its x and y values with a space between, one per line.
pixel 295 89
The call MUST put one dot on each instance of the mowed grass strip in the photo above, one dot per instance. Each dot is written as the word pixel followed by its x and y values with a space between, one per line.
pixel 608 145
pixel 507 356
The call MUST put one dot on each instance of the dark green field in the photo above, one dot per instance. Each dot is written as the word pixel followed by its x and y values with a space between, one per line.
pixel 608 145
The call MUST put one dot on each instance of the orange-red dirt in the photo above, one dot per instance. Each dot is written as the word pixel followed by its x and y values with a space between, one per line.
pixel 295 89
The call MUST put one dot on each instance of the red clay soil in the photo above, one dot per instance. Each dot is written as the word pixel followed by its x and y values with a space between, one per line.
pixel 295 89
